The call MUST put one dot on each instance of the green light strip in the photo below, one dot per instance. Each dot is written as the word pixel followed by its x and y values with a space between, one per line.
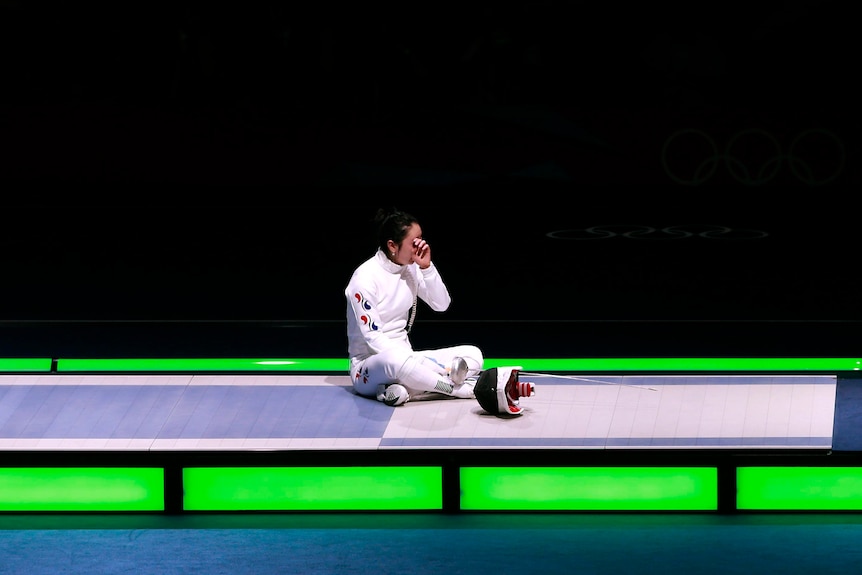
pixel 401 488
pixel 82 489
pixel 25 364
pixel 589 489
pixel 312 488
pixel 328 365
pixel 799 488
pixel 670 364
pixel 589 365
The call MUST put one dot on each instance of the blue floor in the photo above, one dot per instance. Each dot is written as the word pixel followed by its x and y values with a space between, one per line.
pixel 432 544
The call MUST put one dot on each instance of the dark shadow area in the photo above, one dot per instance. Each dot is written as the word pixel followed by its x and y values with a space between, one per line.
pixel 685 96
pixel 239 281
pixel 605 180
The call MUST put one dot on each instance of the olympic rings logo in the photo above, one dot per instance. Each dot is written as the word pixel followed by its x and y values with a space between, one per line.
pixel 637 232
pixel 755 175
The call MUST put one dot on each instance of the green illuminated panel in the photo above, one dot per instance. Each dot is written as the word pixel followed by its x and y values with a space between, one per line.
pixel 25 364
pixel 208 364
pixel 340 365
pixel 312 488
pixel 589 489
pixel 670 364
pixel 799 488
pixel 82 489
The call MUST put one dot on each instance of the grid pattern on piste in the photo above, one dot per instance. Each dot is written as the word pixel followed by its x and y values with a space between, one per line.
pixel 221 412
pixel 703 412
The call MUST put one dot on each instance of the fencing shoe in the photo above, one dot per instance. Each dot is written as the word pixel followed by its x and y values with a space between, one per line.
pixel 392 394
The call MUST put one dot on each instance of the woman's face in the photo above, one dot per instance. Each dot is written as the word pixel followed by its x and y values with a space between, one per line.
pixel 405 251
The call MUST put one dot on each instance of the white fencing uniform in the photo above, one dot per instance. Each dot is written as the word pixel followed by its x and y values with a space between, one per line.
pixel 381 295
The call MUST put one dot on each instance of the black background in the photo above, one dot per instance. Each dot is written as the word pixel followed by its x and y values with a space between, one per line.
pixel 194 178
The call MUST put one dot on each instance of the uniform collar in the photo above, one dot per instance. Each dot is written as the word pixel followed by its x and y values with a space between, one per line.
pixel 388 264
